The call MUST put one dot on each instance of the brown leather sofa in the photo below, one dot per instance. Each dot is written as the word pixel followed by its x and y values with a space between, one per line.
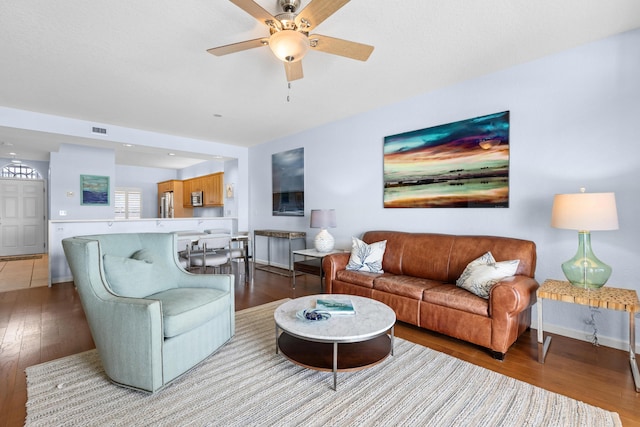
pixel 420 272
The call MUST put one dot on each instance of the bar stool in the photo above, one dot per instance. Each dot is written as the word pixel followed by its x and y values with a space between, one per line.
pixel 213 253
pixel 184 256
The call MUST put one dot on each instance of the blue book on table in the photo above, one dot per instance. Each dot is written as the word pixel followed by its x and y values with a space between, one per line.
pixel 336 307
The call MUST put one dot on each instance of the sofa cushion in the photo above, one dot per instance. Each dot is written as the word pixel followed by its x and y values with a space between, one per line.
pixel 365 257
pixel 451 296
pixel 407 286
pixel 184 309
pixel 129 277
pixel 484 272
pixel 361 278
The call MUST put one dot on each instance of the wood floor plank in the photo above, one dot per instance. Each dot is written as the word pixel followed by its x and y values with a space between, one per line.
pixel 42 324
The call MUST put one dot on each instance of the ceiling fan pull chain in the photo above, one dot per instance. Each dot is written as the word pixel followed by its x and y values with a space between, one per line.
pixel 289 92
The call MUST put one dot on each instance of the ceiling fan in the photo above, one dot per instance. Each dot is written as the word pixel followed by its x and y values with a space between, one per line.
pixel 289 37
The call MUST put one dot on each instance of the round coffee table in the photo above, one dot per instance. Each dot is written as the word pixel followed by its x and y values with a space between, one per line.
pixel 341 343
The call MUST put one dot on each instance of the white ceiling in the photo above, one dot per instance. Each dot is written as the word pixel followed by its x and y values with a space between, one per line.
pixel 143 64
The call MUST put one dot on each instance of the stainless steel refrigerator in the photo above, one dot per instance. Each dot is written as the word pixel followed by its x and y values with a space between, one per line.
pixel 166 205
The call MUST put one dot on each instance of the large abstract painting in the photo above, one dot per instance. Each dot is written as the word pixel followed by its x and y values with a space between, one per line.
pixel 287 174
pixel 462 164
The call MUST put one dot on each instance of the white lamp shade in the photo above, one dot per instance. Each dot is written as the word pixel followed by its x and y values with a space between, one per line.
pixel 323 218
pixel 289 45
pixel 585 211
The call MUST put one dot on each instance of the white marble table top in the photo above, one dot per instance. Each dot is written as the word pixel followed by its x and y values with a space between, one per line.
pixel 372 319
pixel 314 253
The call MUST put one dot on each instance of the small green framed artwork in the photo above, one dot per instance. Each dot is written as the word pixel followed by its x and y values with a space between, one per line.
pixel 94 190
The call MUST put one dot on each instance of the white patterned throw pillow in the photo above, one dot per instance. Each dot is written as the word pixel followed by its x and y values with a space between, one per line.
pixel 484 272
pixel 366 257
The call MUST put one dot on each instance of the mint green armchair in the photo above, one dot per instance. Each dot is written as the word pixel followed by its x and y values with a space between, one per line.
pixel 151 320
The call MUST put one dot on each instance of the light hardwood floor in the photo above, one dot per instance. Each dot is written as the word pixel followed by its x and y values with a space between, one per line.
pixel 41 324
pixel 26 273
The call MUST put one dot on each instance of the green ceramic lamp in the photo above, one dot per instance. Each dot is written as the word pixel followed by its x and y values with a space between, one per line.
pixel 585 212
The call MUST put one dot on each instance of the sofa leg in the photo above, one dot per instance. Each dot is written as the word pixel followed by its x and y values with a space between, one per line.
pixel 498 355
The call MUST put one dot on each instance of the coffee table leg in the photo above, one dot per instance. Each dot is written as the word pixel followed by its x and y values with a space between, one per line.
pixel 276 339
pixel 335 366
pixel 392 335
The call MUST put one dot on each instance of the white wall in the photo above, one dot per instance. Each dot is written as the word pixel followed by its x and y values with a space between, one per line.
pixel 574 122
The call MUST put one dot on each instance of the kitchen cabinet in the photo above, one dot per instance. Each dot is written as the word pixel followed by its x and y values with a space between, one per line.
pixel 211 187
pixel 187 189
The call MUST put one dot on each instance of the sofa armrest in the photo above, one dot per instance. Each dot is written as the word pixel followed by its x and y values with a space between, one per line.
pixel 512 295
pixel 331 264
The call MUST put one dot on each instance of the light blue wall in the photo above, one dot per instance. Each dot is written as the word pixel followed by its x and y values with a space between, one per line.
pixel 574 122
pixel 67 164
pixel 75 128
pixel 147 180
pixel 204 168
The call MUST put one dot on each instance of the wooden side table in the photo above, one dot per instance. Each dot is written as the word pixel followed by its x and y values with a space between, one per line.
pixel 605 297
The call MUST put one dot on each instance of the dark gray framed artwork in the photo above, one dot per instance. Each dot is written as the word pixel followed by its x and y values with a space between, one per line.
pixel 287 179
pixel 463 164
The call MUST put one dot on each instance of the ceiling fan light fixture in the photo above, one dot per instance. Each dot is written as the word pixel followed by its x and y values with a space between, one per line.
pixel 289 45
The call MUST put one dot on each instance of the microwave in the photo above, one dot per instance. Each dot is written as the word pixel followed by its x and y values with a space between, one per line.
pixel 196 198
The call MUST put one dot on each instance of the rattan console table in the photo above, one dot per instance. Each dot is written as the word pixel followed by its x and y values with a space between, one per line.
pixel 605 297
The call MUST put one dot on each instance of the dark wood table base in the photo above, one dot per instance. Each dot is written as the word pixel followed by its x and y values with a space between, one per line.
pixel 350 356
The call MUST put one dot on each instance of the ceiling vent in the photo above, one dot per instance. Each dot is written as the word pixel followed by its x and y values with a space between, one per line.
pixel 100 131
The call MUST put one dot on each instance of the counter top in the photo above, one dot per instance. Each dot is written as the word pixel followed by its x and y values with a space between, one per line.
pixel 208 218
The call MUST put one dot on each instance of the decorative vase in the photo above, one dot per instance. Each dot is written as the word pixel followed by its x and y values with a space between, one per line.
pixel 324 242
pixel 585 270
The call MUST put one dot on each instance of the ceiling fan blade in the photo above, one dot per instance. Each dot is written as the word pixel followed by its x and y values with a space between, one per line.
pixel 293 70
pixel 255 10
pixel 316 12
pixel 340 47
pixel 237 47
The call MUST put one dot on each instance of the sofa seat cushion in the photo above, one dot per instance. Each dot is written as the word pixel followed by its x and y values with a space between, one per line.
pixel 451 296
pixel 360 278
pixel 186 308
pixel 406 286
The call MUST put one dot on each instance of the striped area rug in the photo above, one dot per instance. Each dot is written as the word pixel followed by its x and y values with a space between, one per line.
pixel 247 384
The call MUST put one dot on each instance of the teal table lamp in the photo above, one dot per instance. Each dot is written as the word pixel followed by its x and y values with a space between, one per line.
pixel 585 212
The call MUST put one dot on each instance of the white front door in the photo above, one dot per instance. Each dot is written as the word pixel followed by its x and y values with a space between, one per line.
pixel 22 220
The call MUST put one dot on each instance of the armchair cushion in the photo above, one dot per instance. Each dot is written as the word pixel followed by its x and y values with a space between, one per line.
pixel 184 309
pixel 143 255
pixel 122 272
